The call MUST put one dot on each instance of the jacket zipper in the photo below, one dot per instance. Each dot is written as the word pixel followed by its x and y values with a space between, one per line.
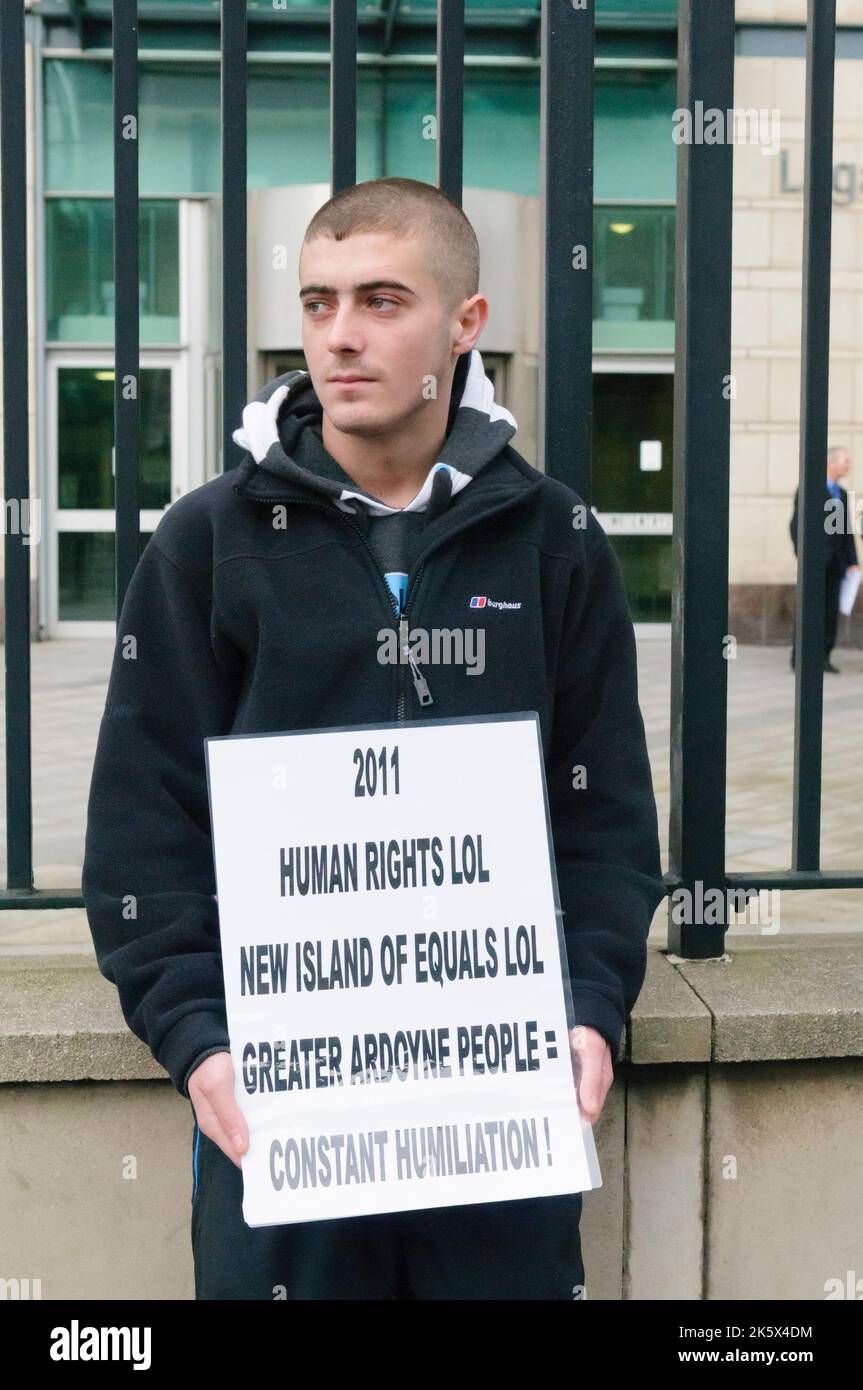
pixel 421 686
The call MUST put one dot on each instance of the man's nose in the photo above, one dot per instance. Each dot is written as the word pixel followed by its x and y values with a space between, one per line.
pixel 344 330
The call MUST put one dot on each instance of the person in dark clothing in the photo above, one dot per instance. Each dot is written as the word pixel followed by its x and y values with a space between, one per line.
pixel 378 487
pixel 840 552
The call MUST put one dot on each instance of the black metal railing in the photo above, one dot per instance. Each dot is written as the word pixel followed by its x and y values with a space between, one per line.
pixel 699 545
pixel 702 365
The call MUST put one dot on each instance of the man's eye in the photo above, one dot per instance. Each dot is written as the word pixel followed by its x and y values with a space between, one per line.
pixel 311 304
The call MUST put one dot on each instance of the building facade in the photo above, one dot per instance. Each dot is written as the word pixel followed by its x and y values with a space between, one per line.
pixel 288 171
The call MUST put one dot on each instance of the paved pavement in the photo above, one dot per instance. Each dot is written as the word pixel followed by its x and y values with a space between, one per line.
pixel 69 679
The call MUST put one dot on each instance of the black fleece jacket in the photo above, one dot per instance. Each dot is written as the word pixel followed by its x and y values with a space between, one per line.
pixel 256 607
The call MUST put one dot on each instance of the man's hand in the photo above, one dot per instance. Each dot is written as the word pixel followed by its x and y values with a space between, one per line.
pixel 591 1067
pixel 211 1091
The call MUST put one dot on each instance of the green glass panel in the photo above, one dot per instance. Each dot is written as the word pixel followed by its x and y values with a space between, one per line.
pixel 87 582
pixel 635 155
pixel 289 128
pixel 289 124
pixel 633 273
pixel 637 9
pixel 633 337
pixel 634 9
pixel 501 129
pixel 178 129
pixel 85 431
pixel 87 585
pixel 289 143
pixel 269 6
pixel 627 409
pixel 80 270
pixel 646 565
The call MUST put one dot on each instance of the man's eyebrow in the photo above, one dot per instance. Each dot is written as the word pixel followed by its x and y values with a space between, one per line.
pixel 359 289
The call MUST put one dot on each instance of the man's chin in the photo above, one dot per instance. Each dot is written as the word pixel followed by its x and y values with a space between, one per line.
pixel 356 419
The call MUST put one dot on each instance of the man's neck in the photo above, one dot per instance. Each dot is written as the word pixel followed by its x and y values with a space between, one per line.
pixel 391 468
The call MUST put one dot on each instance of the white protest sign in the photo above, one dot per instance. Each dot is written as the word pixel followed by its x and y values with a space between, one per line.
pixel 397 1007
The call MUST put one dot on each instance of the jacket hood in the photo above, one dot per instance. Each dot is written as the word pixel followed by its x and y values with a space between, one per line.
pixel 281 430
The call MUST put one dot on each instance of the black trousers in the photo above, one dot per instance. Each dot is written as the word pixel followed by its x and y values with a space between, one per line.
pixel 524 1249
pixel 832 581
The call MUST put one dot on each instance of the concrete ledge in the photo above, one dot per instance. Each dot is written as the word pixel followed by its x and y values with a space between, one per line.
pixel 60 1020
pixel 669 1022
pixel 788 1000
pixel 766 1000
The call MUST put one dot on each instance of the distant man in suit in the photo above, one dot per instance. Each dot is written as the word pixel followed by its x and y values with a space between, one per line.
pixel 840 552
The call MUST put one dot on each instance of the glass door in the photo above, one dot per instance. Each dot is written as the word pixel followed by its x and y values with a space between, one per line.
pixel 632 473
pixel 82 584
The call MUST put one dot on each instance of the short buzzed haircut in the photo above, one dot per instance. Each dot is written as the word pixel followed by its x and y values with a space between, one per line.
pixel 406 208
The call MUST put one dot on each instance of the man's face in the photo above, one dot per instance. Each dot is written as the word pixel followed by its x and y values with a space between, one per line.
pixel 394 332
pixel 840 467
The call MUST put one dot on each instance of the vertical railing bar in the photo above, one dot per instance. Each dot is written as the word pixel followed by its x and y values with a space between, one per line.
pixel 814 387
pixel 234 161
pixel 565 430
pixel 127 377
pixel 343 94
pixel 449 99
pixel 33 35
pixel 16 447
pixel 702 357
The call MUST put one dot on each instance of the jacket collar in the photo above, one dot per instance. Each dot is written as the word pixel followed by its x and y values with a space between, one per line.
pixel 475 451
pixel 506 481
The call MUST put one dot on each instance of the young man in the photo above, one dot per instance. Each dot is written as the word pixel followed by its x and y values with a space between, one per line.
pixel 379 492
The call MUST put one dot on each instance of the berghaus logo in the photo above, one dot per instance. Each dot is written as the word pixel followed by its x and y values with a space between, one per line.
pixel 483 601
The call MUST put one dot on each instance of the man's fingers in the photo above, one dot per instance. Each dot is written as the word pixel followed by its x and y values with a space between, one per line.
pixel 230 1120
pixel 209 1124
pixel 591 1065
pixel 233 1125
pixel 219 1116
pixel 588 1097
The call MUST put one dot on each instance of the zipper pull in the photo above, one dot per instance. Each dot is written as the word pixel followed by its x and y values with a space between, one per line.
pixel 424 695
